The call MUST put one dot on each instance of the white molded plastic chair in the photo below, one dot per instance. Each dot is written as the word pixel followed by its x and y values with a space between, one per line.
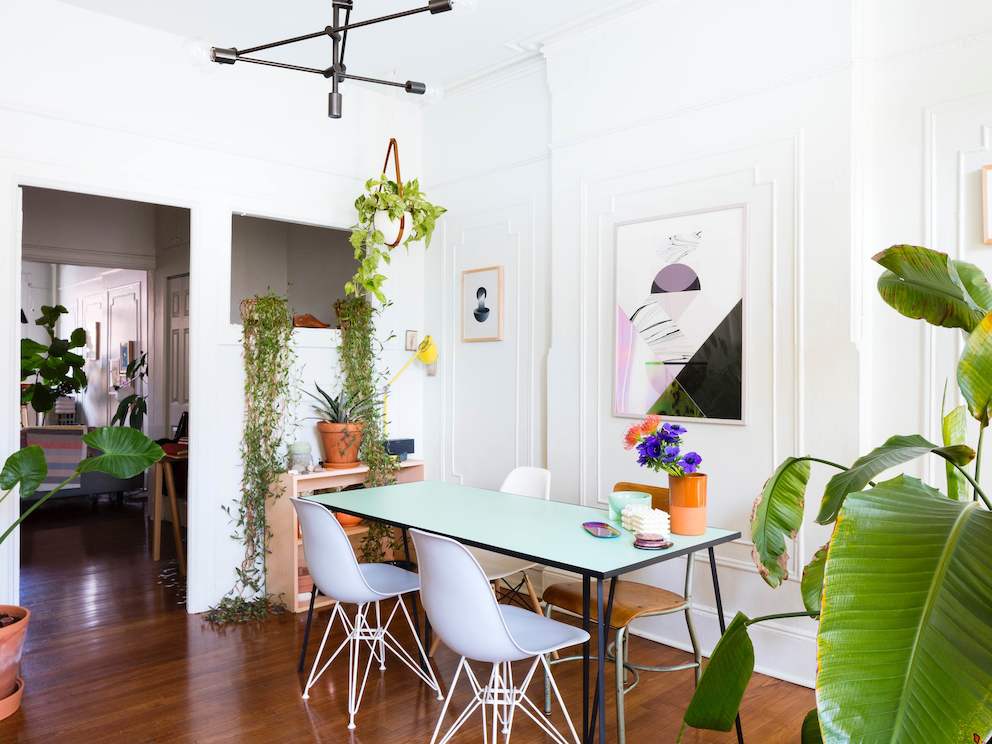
pixel 523 481
pixel 461 607
pixel 338 574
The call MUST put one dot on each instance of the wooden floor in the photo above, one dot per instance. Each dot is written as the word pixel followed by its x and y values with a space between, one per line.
pixel 112 657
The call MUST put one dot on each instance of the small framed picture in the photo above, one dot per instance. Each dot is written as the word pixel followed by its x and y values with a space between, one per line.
pixel 482 304
pixel 127 354
pixel 410 342
pixel 987 204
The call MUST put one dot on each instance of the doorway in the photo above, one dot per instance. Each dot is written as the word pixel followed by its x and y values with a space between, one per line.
pixel 114 266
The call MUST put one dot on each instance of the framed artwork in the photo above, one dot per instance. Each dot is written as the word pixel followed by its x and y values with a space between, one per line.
pixel 987 204
pixel 482 304
pixel 127 354
pixel 679 342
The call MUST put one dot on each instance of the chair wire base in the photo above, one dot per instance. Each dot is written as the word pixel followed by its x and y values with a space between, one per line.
pixel 504 698
pixel 378 638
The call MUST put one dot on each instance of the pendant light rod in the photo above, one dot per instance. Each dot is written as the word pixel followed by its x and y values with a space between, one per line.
pixel 338 33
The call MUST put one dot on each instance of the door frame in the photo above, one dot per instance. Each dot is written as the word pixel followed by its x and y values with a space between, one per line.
pixel 10 550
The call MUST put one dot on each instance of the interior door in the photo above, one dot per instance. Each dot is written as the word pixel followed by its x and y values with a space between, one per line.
pixel 123 337
pixel 93 317
pixel 178 347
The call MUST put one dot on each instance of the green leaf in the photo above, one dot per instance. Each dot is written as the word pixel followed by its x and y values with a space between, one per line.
pixel 77 339
pixel 954 429
pixel 26 467
pixel 923 283
pixel 126 452
pixel 975 371
pixel 811 586
pixel 895 451
pixel 777 516
pixel 975 283
pixel 42 398
pixel 905 639
pixel 718 697
pixel 811 729
pixel 31 348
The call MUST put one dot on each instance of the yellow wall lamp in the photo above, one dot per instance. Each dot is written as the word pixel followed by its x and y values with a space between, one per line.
pixel 426 354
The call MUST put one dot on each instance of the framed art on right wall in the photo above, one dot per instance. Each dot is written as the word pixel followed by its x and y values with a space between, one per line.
pixel 680 316
pixel 987 204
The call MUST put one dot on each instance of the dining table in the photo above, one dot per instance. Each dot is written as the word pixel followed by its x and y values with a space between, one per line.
pixel 546 532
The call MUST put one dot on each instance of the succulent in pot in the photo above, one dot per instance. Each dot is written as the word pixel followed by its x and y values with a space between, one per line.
pixel 340 426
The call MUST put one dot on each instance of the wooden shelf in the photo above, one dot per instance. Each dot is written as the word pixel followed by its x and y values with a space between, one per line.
pixel 286 572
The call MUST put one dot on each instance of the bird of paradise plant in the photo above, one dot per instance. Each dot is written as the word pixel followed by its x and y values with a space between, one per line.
pixel 903 589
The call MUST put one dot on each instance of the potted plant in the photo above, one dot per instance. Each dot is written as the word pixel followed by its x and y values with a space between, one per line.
pixel 340 426
pixel 123 453
pixel 133 407
pixel 55 368
pixel 659 447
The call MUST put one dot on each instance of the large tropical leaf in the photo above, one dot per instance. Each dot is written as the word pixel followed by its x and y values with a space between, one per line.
pixel 811 729
pixel 26 467
pixel 923 283
pixel 895 451
pixel 954 430
pixel 721 688
pixel 905 639
pixel 975 371
pixel 811 586
pixel 126 452
pixel 777 516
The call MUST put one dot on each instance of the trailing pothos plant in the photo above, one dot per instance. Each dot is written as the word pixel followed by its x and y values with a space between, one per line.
pixel 903 589
pixel 360 349
pixel 267 328
pixel 371 249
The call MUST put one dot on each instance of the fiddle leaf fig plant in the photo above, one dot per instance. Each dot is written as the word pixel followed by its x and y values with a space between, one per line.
pixel 56 369
pixel 903 589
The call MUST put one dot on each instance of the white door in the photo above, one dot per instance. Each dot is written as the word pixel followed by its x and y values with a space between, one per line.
pixel 94 402
pixel 177 348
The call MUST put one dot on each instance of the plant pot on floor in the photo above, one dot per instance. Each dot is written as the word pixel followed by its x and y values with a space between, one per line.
pixel 341 443
pixel 11 645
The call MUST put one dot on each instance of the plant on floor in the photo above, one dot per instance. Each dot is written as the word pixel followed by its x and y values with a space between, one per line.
pixel 903 589
pixel 56 369
pixel 267 352
pixel 362 381
pixel 132 409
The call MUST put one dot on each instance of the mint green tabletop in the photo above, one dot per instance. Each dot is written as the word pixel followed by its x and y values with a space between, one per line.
pixel 547 532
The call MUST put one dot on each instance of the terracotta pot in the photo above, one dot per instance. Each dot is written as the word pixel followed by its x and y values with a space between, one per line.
pixel 347 520
pixel 11 645
pixel 688 503
pixel 341 443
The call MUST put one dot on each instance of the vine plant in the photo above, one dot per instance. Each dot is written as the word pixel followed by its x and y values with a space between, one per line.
pixel 267 350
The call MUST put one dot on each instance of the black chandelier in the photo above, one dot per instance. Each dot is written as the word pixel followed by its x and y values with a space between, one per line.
pixel 338 33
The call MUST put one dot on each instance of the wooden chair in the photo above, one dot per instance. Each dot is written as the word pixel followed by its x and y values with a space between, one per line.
pixel 632 600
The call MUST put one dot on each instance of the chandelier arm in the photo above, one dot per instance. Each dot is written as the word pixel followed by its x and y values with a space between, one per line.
pixel 344 36
pixel 284 42
pixel 284 65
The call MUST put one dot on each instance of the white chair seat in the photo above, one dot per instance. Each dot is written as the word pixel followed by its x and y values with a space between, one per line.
pixel 499 566
pixel 537 634
pixel 389 580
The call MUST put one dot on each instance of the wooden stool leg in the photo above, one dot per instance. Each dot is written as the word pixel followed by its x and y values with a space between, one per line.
pixel 157 512
pixel 434 644
pixel 535 603
pixel 170 485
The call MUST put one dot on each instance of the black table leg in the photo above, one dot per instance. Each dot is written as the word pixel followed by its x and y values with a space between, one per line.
pixel 406 546
pixel 586 734
pixel 600 683
pixel 723 622
pixel 598 708
pixel 306 632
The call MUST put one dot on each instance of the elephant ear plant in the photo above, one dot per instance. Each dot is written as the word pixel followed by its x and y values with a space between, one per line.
pixel 903 589
pixel 124 453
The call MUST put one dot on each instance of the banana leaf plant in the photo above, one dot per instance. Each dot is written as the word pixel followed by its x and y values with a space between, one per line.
pixel 903 589
pixel 124 453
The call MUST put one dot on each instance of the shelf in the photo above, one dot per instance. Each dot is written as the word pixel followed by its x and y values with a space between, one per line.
pixel 350 471
pixel 358 529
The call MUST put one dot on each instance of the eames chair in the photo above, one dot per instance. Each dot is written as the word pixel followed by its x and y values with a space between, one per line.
pixel 462 608
pixel 338 575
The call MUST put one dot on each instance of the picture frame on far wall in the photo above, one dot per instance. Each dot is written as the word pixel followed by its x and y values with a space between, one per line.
pixel 987 204
pixel 482 304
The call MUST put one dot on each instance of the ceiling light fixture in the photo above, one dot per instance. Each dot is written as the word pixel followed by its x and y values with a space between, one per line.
pixel 338 32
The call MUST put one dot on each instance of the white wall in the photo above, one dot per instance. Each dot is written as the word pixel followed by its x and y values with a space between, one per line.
pixel 37 289
pixel 139 114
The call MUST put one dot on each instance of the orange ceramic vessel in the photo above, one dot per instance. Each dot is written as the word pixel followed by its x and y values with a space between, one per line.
pixel 688 503
pixel 341 443
pixel 11 645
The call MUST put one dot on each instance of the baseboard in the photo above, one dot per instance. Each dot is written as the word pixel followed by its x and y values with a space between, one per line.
pixel 780 651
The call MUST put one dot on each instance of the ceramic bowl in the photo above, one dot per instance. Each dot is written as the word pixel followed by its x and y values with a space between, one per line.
pixel 620 499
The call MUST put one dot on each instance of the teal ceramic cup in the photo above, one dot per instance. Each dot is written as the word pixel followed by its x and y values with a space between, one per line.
pixel 620 499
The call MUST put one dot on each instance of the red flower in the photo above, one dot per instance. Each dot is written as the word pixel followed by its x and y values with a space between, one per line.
pixel 641 429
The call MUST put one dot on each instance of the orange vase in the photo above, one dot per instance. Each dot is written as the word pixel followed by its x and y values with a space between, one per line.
pixel 688 503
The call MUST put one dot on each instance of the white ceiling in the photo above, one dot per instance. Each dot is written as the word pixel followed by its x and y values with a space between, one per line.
pixel 442 50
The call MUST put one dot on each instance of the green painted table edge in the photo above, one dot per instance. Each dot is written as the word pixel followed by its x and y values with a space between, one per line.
pixel 489 513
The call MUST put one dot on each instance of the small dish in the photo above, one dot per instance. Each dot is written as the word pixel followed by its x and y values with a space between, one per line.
pixel 601 529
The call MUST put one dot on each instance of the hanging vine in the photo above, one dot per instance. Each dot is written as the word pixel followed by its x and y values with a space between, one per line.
pixel 267 352
pixel 358 352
